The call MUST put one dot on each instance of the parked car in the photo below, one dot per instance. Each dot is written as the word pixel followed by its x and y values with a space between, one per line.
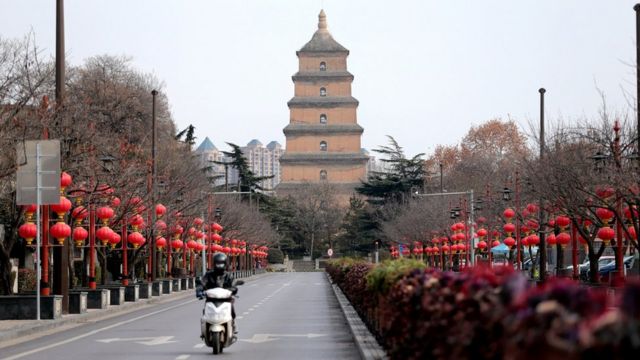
pixel 584 267
pixel 606 270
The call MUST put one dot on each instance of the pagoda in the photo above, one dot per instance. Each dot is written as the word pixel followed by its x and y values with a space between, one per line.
pixel 323 135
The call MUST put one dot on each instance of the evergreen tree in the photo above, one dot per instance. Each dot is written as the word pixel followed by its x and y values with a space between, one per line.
pixel 396 183
pixel 247 180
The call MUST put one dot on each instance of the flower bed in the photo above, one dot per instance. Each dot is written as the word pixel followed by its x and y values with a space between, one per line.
pixel 482 313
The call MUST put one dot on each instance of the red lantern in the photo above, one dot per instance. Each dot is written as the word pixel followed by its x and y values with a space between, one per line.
pixel 30 209
pixel 216 238
pixel 604 214
pixel 509 228
pixel 216 227
pixel 509 214
pixel 79 235
pixel 226 250
pixel 28 231
pixel 191 244
pixel 104 213
pixel 532 208
pixel 510 242
pixel 551 239
pixel 525 241
pixel 532 224
pixel 114 239
pixel 176 244
pixel 632 232
pixel 115 202
pixel 534 240
pixel 160 210
pixel 605 192
pixel 62 207
pixel 563 239
pixel 136 221
pixel 482 232
pixel 104 234
pixel 198 221
pixel 65 180
pixel 482 245
pixel 79 213
pixel 60 231
pixel 495 243
pixel 563 221
pixel 161 225
pixel 161 243
pixel 606 234
pixel 136 239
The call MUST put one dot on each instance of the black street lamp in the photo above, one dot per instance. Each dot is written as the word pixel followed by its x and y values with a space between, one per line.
pixel 506 194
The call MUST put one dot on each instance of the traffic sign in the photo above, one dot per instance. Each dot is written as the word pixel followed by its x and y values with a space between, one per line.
pixel 46 162
pixel 330 252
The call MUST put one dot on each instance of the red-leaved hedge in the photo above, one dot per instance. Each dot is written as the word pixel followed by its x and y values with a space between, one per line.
pixel 486 313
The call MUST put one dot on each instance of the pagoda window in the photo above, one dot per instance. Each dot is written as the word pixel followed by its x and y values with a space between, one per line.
pixel 323 91
pixel 323 145
pixel 323 118
pixel 323 174
pixel 323 66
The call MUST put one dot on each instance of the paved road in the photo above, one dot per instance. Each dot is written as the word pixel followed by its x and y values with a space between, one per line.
pixel 280 316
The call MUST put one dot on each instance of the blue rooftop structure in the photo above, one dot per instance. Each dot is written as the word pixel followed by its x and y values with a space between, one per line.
pixel 206 145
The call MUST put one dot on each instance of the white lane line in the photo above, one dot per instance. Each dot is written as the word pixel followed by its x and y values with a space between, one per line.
pixel 51 346
pixel 239 317
pixel 183 357
pixel 198 346
pixel 245 313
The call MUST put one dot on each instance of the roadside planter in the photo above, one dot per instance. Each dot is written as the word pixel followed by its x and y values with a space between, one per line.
pixel 167 286
pixel 145 290
pixel 116 293
pixel 183 283
pixel 176 285
pixel 157 288
pixel 98 299
pixel 23 307
pixel 132 293
pixel 77 302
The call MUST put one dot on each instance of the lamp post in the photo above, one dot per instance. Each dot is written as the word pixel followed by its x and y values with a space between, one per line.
pixel 153 259
pixel 541 218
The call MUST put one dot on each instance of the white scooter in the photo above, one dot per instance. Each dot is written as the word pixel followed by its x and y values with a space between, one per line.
pixel 216 324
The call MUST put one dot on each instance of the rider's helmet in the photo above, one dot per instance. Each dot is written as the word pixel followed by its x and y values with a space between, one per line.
pixel 219 263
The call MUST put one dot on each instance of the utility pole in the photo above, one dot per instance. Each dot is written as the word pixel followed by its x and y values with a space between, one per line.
pixel 154 170
pixel 541 218
pixel 61 253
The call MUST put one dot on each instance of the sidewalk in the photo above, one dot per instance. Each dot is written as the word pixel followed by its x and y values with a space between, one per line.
pixel 13 331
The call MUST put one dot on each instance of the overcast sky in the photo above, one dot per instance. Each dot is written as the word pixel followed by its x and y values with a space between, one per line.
pixel 425 70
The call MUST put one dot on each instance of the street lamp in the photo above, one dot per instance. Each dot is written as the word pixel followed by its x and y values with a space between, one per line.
pixel 506 194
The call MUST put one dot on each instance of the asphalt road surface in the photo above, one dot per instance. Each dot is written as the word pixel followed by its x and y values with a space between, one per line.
pixel 280 316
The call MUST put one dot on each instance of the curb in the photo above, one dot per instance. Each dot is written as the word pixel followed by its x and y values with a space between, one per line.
pixel 33 328
pixel 96 315
pixel 367 344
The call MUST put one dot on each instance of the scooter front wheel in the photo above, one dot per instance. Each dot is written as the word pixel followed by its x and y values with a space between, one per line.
pixel 216 343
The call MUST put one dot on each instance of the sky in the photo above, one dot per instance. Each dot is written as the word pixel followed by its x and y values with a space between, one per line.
pixel 425 70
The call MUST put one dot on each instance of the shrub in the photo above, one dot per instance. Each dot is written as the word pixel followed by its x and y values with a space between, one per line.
pixel 484 313
pixel 275 256
pixel 386 274
pixel 26 280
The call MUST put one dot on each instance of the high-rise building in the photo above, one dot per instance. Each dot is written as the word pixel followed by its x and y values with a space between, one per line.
pixel 323 135
pixel 263 161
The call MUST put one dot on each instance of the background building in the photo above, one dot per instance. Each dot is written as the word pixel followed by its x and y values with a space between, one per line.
pixel 263 161
pixel 323 135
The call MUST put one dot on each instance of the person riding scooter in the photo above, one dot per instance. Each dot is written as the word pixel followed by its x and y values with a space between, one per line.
pixel 218 277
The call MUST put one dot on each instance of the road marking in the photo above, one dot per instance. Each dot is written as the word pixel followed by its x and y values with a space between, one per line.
pixel 245 313
pixel 183 357
pixel 198 346
pixel 239 317
pixel 149 341
pixel 262 338
pixel 93 332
